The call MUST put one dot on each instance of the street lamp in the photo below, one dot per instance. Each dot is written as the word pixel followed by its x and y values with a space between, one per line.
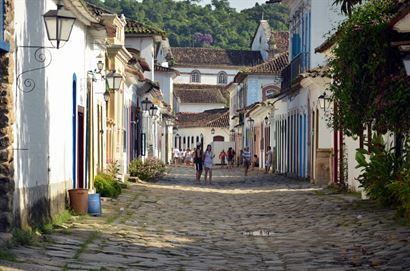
pixel 146 105
pixel 406 62
pixel 266 120
pixel 177 136
pixel 322 100
pixel 106 96
pixel 175 129
pixel 251 122
pixel 100 66
pixel 59 24
pixel 213 131
pixel 153 111
pixel 114 80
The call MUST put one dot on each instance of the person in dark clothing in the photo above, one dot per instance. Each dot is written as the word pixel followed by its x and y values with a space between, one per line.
pixel 198 160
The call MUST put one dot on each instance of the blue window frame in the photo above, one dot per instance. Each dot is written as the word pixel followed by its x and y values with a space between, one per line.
pixel 4 46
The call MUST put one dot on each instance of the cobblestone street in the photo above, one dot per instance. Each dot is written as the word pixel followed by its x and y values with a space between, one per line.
pixel 253 223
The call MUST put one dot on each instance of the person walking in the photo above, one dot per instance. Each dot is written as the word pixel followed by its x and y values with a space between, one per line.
pixel 198 156
pixel 208 163
pixel 176 156
pixel 246 156
pixel 222 157
pixel 268 159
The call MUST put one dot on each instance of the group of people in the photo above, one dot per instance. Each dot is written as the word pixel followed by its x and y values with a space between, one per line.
pixel 205 161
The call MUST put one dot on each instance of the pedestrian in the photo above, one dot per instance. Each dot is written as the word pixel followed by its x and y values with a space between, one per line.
pixel 208 163
pixel 233 158
pixel 176 156
pixel 188 157
pixel 182 156
pixel 246 156
pixel 222 156
pixel 198 156
pixel 255 162
pixel 268 159
pixel 240 158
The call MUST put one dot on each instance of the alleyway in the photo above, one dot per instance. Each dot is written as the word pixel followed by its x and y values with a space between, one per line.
pixel 257 223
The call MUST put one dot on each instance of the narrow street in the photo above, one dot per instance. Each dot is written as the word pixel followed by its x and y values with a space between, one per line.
pixel 257 223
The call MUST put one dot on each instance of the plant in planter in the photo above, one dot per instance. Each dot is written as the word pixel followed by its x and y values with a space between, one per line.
pixel 148 170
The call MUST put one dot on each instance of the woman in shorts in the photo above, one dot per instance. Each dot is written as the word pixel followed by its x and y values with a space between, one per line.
pixel 198 156
pixel 208 163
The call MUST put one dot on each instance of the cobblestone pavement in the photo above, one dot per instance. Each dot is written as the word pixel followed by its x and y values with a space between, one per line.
pixel 255 223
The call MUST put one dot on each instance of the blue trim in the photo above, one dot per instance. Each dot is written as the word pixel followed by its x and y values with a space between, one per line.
pixel 300 146
pixel 74 124
pixel 4 46
pixel 304 145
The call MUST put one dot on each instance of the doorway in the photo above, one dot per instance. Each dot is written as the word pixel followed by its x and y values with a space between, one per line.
pixel 80 147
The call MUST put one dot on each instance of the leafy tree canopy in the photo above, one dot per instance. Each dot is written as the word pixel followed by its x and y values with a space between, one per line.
pixel 189 24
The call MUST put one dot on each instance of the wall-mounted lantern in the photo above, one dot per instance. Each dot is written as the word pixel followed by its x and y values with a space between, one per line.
pixel 175 129
pixel 114 80
pixel 106 96
pixel 251 122
pixel 100 66
pixel 146 105
pixel 59 24
pixel 324 101
pixel 213 131
pixel 266 121
pixel 153 111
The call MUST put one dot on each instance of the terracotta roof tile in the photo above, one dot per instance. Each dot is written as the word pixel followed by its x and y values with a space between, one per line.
pixel 134 27
pixel 215 57
pixel 279 41
pixel 273 66
pixel 199 93
pixel 208 118
pixel 159 68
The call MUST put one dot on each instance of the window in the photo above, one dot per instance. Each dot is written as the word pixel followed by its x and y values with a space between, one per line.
pixel 222 78
pixel 195 77
pixel 4 46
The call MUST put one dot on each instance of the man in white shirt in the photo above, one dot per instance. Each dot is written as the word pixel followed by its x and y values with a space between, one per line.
pixel 268 159
pixel 176 156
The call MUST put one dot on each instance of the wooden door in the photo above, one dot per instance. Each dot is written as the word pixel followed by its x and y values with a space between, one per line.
pixel 80 147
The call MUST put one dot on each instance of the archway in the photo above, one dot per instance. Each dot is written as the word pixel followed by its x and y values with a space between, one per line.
pixel 219 139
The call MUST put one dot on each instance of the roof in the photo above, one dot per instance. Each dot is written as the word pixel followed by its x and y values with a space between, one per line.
pixel 215 57
pixel 134 27
pixel 159 68
pixel 279 41
pixel 200 93
pixel 209 118
pixel 98 11
pixel 273 66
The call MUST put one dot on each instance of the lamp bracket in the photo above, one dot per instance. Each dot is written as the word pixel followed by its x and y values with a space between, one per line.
pixel 42 55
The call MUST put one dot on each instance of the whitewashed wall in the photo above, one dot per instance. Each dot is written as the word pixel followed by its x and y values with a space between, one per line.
pixel 199 107
pixel 166 85
pixel 208 75
pixel 260 43
pixel 43 129
pixel 206 131
pixel 146 46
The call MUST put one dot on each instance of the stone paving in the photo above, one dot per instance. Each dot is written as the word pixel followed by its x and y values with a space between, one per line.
pixel 255 223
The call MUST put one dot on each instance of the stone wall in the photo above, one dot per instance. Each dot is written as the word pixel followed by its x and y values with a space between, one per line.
pixel 6 122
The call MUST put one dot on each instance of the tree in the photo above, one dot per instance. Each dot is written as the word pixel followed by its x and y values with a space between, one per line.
pixel 347 5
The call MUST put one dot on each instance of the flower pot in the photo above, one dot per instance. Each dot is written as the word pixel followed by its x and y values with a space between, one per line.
pixel 79 200
pixel 94 204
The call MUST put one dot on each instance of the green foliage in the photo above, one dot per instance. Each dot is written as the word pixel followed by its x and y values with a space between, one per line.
pixel 369 80
pixel 6 255
pixel 227 27
pixel 149 170
pixel 346 6
pixel 107 186
pixel 23 237
pixel 114 170
pixel 386 176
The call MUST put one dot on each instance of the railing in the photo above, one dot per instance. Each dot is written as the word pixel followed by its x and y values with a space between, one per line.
pixel 291 71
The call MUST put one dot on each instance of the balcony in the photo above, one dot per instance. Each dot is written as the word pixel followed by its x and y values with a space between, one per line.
pixel 291 71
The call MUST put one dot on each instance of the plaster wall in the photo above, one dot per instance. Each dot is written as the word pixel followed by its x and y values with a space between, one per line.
pixel 260 43
pixel 209 76
pixel 166 85
pixel 146 47
pixel 199 107
pixel 43 128
pixel 196 132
